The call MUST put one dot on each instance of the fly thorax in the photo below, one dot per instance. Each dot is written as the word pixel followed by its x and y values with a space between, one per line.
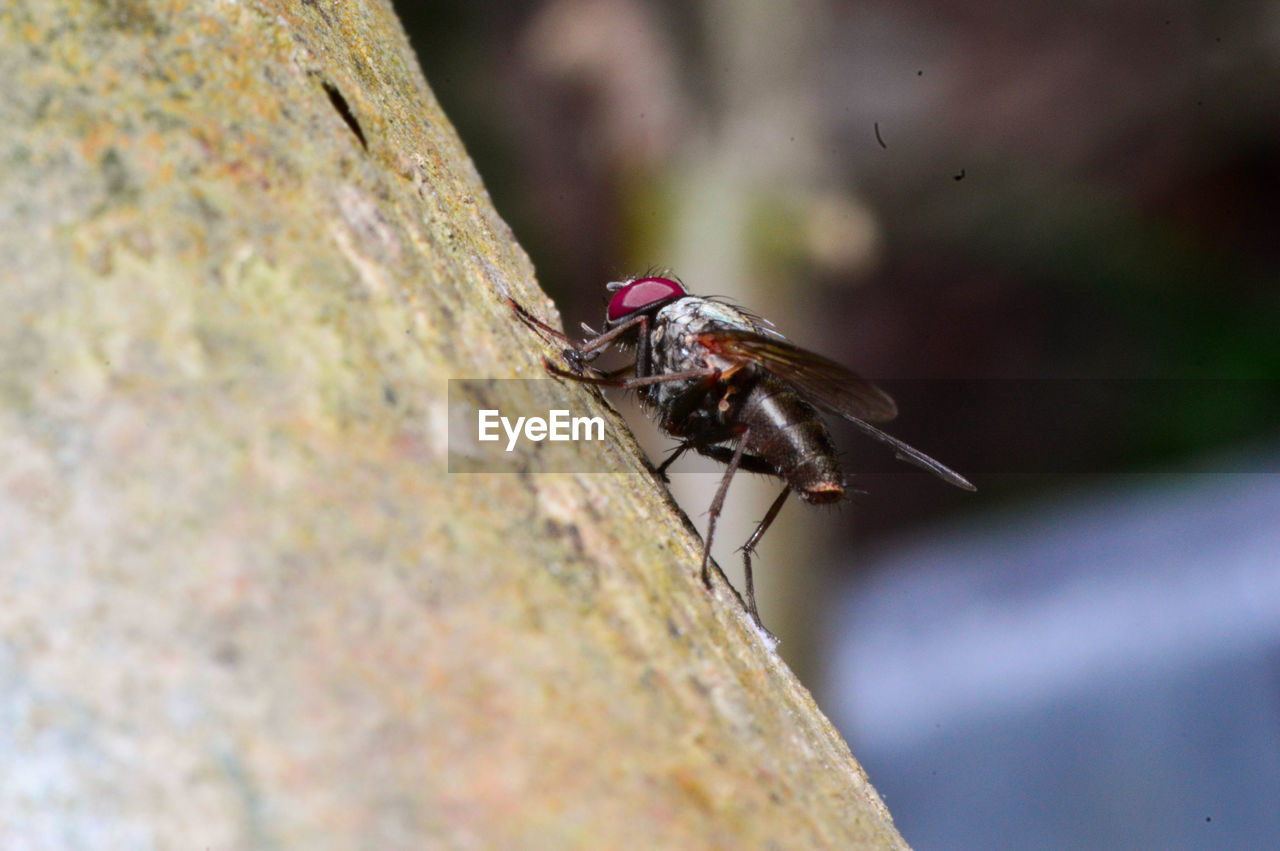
pixel 676 345
pixel 676 330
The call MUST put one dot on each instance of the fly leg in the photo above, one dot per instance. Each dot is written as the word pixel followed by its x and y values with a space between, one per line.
pixel 580 355
pixel 573 353
pixel 676 453
pixel 752 464
pixel 716 505
pixel 750 547
pixel 606 380
pixel 537 324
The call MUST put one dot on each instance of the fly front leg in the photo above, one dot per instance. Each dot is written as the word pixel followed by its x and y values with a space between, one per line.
pixel 537 324
pixel 580 354
pixel 579 361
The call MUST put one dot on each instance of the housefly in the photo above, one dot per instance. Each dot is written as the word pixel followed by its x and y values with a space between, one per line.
pixel 727 386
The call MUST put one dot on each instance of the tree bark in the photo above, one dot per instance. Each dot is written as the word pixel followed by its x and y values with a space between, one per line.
pixel 244 603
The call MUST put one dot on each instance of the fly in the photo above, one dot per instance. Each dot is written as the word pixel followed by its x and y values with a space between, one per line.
pixel 725 385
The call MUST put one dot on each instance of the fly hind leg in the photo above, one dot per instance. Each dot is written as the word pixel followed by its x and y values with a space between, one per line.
pixel 750 547
pixel 752 464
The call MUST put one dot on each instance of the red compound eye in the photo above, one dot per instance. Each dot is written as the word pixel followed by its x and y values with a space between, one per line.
pixel 643 293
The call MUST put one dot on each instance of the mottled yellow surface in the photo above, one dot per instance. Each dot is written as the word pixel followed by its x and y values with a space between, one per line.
pixel 242 603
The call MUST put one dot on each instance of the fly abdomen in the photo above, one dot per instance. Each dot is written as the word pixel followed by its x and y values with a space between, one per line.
pixel 788 433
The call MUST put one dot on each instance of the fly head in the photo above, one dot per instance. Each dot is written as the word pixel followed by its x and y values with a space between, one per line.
pixel 643 295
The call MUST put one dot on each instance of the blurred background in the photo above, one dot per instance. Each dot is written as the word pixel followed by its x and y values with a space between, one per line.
pixel 1052 233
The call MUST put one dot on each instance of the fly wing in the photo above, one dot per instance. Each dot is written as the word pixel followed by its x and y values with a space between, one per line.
pixel 831 387
pixel 912 455
pixel 823 382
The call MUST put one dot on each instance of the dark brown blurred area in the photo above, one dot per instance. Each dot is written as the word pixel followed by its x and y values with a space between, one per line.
pixel 1051 232
pixel 918 189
